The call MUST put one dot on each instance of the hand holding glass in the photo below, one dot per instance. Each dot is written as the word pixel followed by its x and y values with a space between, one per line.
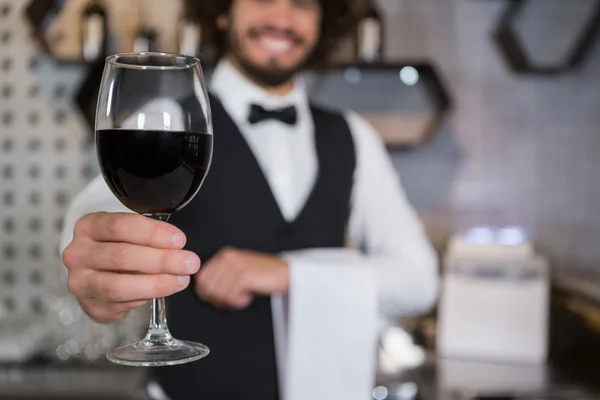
pixel 154 144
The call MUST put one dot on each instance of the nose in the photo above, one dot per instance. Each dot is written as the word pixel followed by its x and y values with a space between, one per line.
pixel 281 14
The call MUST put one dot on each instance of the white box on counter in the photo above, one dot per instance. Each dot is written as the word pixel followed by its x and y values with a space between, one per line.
pixel 494 306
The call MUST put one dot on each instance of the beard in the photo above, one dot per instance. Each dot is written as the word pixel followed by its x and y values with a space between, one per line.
pixel 271 75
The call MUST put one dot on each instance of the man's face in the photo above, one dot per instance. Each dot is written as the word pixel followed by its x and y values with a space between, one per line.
pixel 272 39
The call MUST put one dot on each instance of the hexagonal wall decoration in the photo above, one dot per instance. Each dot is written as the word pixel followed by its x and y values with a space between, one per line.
pixel 515 54
pixel 405 101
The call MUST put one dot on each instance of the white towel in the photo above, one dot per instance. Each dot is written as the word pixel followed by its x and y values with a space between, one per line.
pixel 326 329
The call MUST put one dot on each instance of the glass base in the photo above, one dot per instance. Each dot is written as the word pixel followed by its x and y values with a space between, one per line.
pixel 157 353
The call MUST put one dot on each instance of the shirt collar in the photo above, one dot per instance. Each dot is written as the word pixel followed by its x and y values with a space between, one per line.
pixel 237 93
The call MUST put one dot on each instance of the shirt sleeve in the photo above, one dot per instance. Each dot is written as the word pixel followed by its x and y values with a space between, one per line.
pixel 388 231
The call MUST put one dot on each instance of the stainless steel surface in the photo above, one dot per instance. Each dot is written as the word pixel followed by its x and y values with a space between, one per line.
pixel 584 283
pixel 432 382
pixel 551 394
pixel 76 382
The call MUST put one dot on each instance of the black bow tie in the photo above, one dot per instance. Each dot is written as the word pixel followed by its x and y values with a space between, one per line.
pixel 287 115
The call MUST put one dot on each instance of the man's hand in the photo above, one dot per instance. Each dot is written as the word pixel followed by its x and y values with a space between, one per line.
pixel 118 262
pixel 232 277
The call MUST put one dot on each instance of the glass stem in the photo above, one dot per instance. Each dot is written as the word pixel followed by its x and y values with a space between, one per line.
pixel 158 329
pixel 158 321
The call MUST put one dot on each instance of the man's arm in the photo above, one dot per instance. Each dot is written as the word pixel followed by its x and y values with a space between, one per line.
pixel 386 227
pixel 396 254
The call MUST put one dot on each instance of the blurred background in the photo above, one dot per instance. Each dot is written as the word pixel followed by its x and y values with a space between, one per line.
pixel 490 110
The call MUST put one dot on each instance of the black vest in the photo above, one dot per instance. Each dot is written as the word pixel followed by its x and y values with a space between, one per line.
pixel 235 207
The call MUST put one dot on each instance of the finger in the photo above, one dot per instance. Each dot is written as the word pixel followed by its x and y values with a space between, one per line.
pixel 218 276
pixel 207 283
pixel 116 308
pixel 203 288
pixel 229 285
pixel 130 305
pixel 131 228
pixel 105 316
pixel 208 295
pixel 241 296
pixel 206 276
pixel 229 281
pixel 115 287
pixel 218 304
pixel 218 266
pixel 227 295
pixel 239 301
pixel 125 257
pixel 242 301
pixel 100 312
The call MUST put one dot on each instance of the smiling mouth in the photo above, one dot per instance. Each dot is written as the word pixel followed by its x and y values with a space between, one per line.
pixel 276 43
pixel 276 46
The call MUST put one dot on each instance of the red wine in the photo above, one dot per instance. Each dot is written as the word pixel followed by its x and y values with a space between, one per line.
pixel 153 172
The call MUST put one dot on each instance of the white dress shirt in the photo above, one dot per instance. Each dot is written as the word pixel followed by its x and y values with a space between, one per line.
pixel 395 253
pixel 382 222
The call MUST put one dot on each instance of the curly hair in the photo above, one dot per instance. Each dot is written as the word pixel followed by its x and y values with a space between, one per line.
pixel 340 18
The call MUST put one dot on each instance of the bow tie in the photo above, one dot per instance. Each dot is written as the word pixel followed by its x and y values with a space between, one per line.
pixel 287 115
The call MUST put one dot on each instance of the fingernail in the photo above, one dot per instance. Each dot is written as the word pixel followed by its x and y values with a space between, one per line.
pixel 191 264
pixel 182 280
pixel 178 240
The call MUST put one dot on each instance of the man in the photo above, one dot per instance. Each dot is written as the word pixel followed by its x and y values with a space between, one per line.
pixel 286 308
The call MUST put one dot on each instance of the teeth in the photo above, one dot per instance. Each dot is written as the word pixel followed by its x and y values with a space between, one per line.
pixel 275 45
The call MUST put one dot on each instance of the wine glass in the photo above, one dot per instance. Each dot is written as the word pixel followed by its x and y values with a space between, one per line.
pixel 154 145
